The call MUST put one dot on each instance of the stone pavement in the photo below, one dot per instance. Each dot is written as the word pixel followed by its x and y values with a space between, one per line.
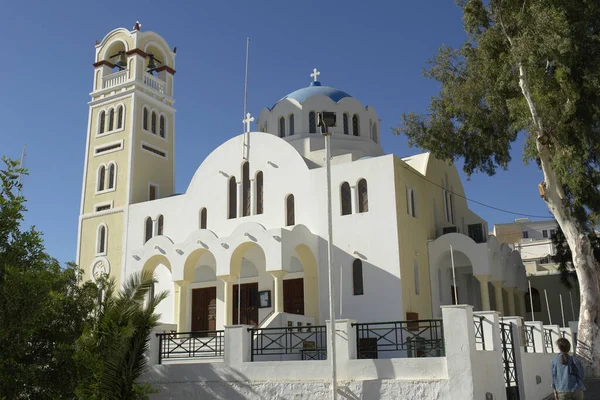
pixel 593 389
pixel 592 392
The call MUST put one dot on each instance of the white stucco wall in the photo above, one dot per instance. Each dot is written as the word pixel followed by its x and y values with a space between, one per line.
pixel 359 235
pixel 294 390
pixel 536 365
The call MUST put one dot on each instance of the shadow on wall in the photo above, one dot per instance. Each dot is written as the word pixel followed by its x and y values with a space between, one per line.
pixel 368 306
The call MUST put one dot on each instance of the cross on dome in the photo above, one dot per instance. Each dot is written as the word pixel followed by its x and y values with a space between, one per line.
pixel 315 75
pixel 247 121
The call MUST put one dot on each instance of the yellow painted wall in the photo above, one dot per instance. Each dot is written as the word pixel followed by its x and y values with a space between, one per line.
pixel 149 167
pixel 87 255
pixel 121 157
pixel 412 242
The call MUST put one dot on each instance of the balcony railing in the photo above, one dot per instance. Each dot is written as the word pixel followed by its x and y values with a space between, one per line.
pixel 121 77
pixel 181 345
pixel 154 83
pixel 308 342
pixel 418 338
pixel 114 79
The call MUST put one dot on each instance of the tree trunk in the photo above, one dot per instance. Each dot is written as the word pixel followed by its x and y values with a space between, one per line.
pixel 586 266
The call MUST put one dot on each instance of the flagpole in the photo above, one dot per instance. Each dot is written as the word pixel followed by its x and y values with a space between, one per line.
pixel 246 131
pixel 547 307
pixel 572 308
pixel 453 275
pixel 562 311
pixel 341 290
pixel 531 302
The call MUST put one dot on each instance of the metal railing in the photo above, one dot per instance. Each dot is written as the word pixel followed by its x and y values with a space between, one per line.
pixel 529 344
pixel 418 338
pixel 479 336
pixel 308 342
pixel 201 344
pixel 548 340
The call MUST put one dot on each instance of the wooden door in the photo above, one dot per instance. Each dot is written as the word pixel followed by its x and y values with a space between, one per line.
pixel 204 309
pixel 293 296
pixel 248 305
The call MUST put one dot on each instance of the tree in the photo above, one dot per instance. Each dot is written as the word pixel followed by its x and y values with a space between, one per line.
pixel 531 68
pixel 112 351
pixel 564 258
pixel 43 307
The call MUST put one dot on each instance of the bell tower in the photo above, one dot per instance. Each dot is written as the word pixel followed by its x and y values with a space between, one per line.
pixel 130 146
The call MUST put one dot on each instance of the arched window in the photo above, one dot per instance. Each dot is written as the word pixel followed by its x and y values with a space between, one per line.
pixel 416 273
pixel 153 122
pixel 147 229
pixel 101 177
pixel 410 202
pixel 162 126
pixel 375 136
pixel 292 129
pixel 290 217
pixel 357 277
pixel 259 192
pixel 161 225
pixel 232 198
pixel 112 174
pixel 312 122
pixel 102 121
pixel 203 218
pixel 246 194
pixel 281 127
pixel 355 128
pixel 111 119
pixel 145 118
pixel 537 305
pixel 120 117
pixel 346 128
pixel 101 247
pixel 346 196
pixel 363 196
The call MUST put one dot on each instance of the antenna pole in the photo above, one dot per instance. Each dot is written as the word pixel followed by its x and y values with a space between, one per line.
pixel 23 154
pixel 246 79
pixel 246 131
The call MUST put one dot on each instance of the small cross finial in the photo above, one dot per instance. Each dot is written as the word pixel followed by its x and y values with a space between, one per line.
pixel 247 121
pixel 315 75
pixel 137 26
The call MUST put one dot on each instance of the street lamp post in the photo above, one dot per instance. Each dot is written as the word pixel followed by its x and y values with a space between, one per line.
pixel 325 120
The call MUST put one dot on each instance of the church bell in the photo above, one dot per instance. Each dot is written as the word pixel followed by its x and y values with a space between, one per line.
pixel 121 60
pixel 151 64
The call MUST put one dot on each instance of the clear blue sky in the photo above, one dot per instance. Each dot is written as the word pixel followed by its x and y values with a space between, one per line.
pixel 373 50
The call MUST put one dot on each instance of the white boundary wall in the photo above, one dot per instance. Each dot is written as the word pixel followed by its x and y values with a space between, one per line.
pixel 464 373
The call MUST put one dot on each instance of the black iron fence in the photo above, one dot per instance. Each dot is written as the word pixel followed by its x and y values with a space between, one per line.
pixel 179 345
pixel 529 344
pixel 418 338
pixel 548 340
pixel 479 336
pixel 305 342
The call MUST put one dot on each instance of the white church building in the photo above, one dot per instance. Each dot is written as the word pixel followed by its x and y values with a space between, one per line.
pixel 255 211
pixel 427 304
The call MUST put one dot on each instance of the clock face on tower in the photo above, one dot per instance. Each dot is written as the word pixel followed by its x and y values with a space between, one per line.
pixel 99 269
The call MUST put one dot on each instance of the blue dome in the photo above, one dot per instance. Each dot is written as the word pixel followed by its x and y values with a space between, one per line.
pixel 315 89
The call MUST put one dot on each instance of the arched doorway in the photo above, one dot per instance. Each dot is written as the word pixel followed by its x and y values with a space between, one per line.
pixel 248 266
pixel 160 266
pixel 200 287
